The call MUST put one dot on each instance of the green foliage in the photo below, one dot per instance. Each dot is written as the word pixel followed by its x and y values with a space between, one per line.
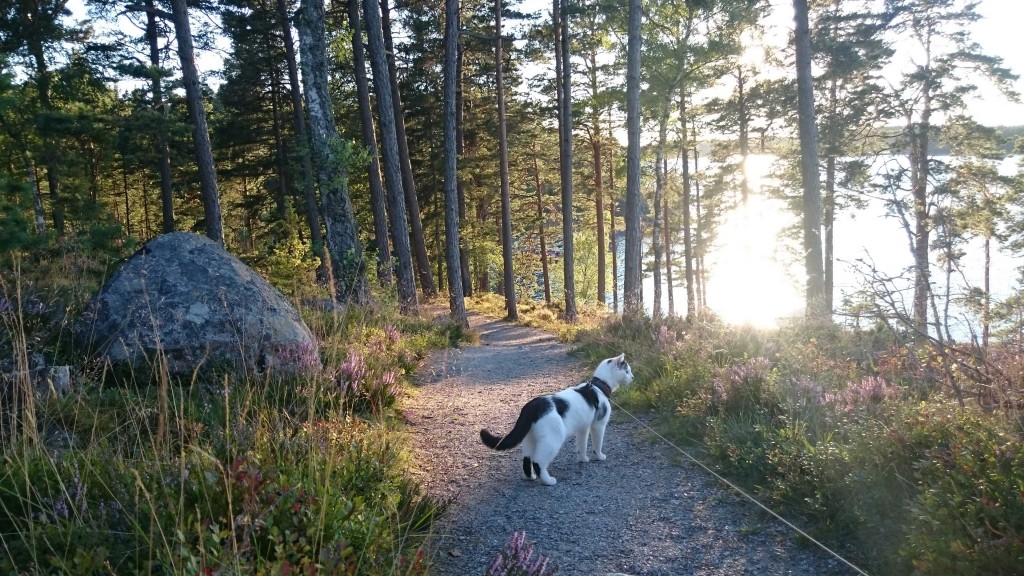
pixel 291 265
pixel 847 446
pixel 16 226
pixel 233 474
pixel 970 517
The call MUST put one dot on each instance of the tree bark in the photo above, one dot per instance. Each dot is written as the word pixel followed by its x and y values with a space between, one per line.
pixel 212 220
pixel 744 136
pixel 460 142
pixel 163 150
pixel 670 292
pixel 612 244
pixel 631 291
pixel 700 284
pixel 813 266
pixel 691 300
pixel 345 252
pixel 595 144
pixel 540 228
pixel 51 152
pixel 281 194
pixel 378 204
pixel 659 191
pixel 412 202
pixel 451 194
pixel 828 207
pixel 922 224
pixel 564 79
pixel 986 311
pixel 301 139
pixel 37 202
pixel 506 201
pixel 391 161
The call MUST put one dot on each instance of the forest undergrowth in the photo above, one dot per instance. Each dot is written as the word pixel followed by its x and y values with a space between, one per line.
pixel 218 473
pixel 857 437
pixel 850 434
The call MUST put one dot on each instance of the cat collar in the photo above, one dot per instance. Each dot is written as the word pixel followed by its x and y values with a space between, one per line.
pixel 602 386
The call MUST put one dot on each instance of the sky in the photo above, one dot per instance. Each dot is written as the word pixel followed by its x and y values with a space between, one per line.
pixel 998 32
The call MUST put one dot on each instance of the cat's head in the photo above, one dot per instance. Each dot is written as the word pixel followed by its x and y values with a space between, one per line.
pixel 615 371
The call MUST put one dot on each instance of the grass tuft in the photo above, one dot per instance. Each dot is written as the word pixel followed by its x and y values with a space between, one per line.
pixel 133 472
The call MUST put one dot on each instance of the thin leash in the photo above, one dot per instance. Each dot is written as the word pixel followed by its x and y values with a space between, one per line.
pixel 741 491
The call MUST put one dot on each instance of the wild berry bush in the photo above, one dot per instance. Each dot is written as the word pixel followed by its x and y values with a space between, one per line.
pixel 844 432
pixel 229 473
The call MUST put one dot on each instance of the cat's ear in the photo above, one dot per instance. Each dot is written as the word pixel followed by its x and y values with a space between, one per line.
pixel 621 358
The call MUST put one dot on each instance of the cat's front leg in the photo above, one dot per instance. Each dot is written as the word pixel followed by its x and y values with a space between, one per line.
pixel 581 445
pixel 598 433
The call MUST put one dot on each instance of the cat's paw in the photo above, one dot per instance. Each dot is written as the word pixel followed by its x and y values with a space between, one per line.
pixel 549 481
pixel 582 459
pixel 601 457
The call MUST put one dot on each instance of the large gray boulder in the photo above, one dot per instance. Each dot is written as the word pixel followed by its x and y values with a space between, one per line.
pixel 184 295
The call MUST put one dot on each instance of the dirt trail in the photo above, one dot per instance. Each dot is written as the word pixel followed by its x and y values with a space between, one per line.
pixel 644 511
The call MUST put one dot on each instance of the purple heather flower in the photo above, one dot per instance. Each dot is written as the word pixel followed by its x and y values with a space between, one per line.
pixel 666 337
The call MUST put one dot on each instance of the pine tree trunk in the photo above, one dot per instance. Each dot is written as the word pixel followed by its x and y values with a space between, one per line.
pixel 378 203
pixel 631 291
pixel 659 191
pixel 483 273
pixel 412 203
pixel 828 208
pixel 51 152
pixel 390 161
pixel 37 201
pixel 828 220
pixel 595 144
pixel 986 311
pixel 163 150
pixel 670 293
pixel 813 266
pixel 506 200
pixel 922 226
pixel 700 280
pixel 212 220
pixel 540 229
pixel 564 79
pixel 342 238
pixel 691 300
pixel 301 140
pixel 451 193
pixel 281 194
pixel 460 143
pixel 744 137
pixel 612 244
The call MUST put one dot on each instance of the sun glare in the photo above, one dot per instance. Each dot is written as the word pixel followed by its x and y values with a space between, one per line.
pixel 756 168
pixel 749 279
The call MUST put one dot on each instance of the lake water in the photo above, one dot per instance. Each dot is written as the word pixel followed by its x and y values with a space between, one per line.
pixel 755 279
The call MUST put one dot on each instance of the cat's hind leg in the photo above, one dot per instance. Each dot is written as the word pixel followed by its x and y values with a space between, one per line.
pixel 529 466
pixel 542 457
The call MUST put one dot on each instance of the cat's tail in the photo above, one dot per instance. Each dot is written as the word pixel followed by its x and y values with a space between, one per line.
pixel 502 442
pixel 530 413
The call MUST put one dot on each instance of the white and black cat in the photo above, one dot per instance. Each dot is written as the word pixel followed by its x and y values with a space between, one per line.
pixel 547 421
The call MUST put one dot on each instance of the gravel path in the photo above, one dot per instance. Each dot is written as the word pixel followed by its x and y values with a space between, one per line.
pixel 644 511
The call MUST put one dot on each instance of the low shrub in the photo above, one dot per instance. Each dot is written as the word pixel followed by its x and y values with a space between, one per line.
pixel 517 559
pixel 233 474
pixel 821 423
